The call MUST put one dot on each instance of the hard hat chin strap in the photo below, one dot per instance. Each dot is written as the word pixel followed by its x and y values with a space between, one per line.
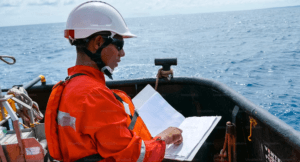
pixel 96 57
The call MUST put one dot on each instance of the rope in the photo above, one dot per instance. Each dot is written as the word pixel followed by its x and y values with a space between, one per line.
pixel 25 126
pixel 229 145
pixel 21 94
pixel 163 74
pixel 10 57
pixel 253 123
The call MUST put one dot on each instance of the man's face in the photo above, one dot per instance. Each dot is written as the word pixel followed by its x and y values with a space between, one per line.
pixel 111 56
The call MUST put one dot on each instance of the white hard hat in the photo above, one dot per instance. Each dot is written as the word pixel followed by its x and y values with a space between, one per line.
pixel 95 16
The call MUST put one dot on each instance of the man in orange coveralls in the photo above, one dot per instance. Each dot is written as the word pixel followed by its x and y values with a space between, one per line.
pixel 85 120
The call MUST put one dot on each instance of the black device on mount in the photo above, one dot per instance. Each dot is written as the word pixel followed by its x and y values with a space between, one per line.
pixel 166 62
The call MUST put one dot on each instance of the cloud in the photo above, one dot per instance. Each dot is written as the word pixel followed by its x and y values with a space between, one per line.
pixel 20 12
pixel 203 3
pixel 10 3
pixel 43 2
pixel 16 3
pixel 136 8
pixel 141 4
pixel 165 5
pixel 69 2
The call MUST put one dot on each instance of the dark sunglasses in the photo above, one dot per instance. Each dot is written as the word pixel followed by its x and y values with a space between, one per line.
pixel 117 42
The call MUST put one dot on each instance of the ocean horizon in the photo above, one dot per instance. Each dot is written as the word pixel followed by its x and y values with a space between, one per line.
pixel 255 52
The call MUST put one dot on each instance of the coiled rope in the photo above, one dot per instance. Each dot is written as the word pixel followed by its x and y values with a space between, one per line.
pixel 21 94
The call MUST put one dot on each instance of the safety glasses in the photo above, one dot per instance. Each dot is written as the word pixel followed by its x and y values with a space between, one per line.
pixel 117 42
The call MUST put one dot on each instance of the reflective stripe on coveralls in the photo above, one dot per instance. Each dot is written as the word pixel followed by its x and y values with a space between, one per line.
pixel 136 123
pixel 64 119
pixel 142 153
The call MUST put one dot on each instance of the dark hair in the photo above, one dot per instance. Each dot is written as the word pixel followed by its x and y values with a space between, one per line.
pixel 83 43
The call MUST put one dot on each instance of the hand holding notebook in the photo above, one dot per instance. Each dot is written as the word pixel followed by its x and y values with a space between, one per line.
pixel 159 115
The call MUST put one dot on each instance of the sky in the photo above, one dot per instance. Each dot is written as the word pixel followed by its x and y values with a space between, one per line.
pixel 25 12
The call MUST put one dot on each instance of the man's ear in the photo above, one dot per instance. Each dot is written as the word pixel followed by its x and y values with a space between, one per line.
pixel 98 41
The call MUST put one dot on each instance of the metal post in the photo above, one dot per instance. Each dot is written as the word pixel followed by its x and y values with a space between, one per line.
pixel 2 107
pixel 10 111
pixel 31 83
pixel 2 155
pixel 1 93
pixel 19 138
pixel 30 113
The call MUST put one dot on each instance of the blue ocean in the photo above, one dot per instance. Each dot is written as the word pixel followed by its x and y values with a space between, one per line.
pixel 256 53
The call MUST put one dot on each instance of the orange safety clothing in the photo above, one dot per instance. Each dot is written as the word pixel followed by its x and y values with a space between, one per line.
pixel 135 124
pixel 83 117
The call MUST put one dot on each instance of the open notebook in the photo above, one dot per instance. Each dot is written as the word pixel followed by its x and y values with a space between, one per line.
pixel 158 115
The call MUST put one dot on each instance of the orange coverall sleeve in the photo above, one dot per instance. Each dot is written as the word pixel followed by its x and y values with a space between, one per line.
pixel 104 120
